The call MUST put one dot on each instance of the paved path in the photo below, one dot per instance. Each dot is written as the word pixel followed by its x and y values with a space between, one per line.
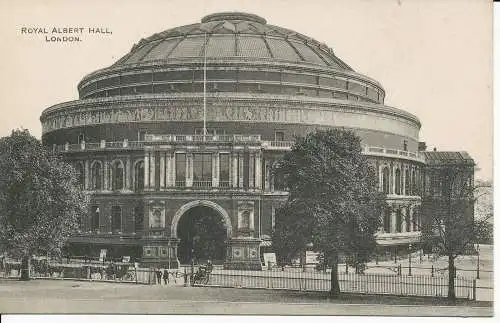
pixel 85 297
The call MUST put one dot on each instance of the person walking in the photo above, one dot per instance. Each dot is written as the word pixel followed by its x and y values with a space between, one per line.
pixel 158 275
pixel 165 277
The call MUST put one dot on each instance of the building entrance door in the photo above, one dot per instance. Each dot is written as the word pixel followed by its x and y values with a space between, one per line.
pixel 202 235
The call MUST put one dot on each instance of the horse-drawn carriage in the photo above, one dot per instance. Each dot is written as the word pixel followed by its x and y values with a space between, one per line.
pixel 202 275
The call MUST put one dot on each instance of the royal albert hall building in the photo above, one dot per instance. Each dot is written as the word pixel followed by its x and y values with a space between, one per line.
pixel 135 136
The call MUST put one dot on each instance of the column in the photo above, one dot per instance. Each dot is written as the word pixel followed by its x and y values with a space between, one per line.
pixel 234 176
pixel 393 221
pixel 267 176
pixel 128 173
pixel 380 178
pixel 410 210
pixel 152 167
pixel 146 170
pixel 106 175
pixel 169 170
pixel 87 174
pixel 403 222
pixel 258 171
pixel 251 170
pixel 403 180
pixel 240 169
pixel 189 169
pixel 162 169
pixel 215 169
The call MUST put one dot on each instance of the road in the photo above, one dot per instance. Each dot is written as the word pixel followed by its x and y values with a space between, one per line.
pixel 104 298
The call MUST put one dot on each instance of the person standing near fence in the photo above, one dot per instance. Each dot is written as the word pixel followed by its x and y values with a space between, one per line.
pixel 165 277
pixel 158 276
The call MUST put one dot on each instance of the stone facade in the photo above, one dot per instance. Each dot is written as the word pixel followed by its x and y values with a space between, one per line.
pixel 135 136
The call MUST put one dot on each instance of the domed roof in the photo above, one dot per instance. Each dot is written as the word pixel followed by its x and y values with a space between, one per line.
pixel 232 35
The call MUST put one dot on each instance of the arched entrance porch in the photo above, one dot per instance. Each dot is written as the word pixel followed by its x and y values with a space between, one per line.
pixel 202 228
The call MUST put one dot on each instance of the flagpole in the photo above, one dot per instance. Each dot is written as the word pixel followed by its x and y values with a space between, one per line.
pixel 205 89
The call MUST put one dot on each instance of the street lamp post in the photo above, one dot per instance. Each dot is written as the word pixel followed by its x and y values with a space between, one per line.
pixel 477 269
pixel 409 259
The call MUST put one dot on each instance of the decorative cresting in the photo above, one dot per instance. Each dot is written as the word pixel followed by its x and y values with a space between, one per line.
pixel 186 207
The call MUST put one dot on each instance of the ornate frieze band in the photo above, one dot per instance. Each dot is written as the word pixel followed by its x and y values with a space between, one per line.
pixel 118 112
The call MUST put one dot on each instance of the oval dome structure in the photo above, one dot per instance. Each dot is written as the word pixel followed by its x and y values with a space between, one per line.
pixel 190 124
pixel 235 35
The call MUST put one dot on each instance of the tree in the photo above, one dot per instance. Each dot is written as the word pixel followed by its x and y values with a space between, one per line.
pixel 40 201
pixel 333 201
pixel 449 226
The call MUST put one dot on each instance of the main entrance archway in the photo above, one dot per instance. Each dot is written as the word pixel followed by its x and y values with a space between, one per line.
pixel 202 228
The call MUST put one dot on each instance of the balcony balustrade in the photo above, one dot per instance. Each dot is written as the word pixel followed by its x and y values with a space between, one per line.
pixel 151 139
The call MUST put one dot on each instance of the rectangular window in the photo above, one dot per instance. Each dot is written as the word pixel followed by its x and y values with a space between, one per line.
pixel 279 136
pixel 224 160
pixel 202 170
pixel 180 169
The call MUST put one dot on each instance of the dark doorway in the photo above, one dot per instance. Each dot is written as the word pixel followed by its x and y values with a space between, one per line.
pixel 202 235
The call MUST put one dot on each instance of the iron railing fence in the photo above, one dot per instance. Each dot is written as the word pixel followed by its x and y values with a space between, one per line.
pixel 401 285
pixel 87 271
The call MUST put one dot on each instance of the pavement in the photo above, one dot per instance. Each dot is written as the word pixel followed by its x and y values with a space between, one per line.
pixel 65 297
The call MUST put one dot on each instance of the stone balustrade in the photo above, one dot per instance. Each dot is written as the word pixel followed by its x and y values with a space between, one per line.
pixel 152 139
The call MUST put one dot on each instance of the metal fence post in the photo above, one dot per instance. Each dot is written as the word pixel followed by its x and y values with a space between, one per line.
pixel 432 271
pixel 399 270
pixel 474 295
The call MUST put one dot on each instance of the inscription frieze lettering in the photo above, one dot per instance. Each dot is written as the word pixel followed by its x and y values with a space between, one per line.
pixel 221 112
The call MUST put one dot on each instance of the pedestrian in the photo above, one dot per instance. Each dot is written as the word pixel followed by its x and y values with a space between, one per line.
pixel 209 266
pixel 158 275
pixel 165 276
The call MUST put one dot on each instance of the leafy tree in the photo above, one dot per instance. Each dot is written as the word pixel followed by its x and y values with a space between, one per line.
pixel 40 201
pixel 333 200
pixel 449 226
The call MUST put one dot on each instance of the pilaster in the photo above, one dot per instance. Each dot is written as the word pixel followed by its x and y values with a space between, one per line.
pixel 152 174
pixel 189 169
pixel 162 169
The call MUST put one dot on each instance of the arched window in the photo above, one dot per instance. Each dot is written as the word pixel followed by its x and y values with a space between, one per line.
pixel 139 176
pixel 97 176
pixel 414 190
pixel 117 175
pixel 94 218
pixel 399 220
pixel 80 175
pixel 385 180
pixel 139 218
pixel 116 219
pixel 407 182
pixel 398 182
pixel 387 221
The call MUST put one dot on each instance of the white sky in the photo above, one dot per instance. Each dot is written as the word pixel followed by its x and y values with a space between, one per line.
pixel 434 58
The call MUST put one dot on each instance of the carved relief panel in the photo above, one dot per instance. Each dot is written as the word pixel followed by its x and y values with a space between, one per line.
pixel 245 216
pixel 157 215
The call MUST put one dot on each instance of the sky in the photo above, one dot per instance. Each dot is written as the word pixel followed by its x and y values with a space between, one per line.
pixel 433 58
